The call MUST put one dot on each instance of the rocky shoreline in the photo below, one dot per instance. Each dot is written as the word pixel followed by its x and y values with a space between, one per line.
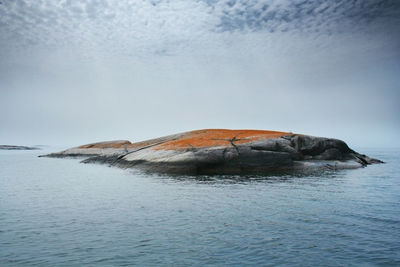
pixel 222 151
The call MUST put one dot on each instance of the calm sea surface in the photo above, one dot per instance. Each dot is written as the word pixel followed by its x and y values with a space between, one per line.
pixel 58 212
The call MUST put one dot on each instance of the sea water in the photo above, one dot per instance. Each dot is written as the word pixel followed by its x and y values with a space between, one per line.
pixel 59 212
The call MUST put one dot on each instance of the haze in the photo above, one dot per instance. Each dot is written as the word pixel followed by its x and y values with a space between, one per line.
pixel 76 72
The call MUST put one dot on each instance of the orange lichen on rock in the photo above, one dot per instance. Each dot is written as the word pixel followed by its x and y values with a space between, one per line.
pixel 217 137
pixel 193 139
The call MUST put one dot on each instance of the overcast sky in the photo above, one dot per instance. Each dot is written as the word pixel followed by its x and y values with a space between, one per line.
pixel 75 72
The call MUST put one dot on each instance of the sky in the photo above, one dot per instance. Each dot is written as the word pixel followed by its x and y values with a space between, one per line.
pixel 76 72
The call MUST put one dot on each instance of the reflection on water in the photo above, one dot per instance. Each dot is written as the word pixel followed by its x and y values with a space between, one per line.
pixel 266 178
pixel 59 212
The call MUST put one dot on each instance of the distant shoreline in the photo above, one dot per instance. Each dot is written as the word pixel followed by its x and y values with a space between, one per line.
pixel 11 147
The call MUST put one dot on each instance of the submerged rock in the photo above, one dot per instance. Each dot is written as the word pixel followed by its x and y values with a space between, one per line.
pixel 222 151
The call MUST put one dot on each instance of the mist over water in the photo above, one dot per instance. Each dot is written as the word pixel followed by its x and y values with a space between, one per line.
pixel 60 212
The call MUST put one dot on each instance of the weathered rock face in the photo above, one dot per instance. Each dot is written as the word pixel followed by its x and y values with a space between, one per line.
pixel 221 151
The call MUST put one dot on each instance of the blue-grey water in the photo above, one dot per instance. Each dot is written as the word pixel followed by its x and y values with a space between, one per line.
pixel 58 212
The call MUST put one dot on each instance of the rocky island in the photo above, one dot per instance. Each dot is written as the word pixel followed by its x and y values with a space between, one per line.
pixel 223 151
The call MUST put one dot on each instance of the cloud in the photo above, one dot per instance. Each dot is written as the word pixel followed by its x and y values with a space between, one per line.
pixel 305 15
pixel 135 27
pixel 167 27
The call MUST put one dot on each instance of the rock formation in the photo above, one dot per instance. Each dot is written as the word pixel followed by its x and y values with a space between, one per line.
pixel 221 151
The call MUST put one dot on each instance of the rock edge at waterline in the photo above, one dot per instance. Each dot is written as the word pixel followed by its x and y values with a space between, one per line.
pixel 222 151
